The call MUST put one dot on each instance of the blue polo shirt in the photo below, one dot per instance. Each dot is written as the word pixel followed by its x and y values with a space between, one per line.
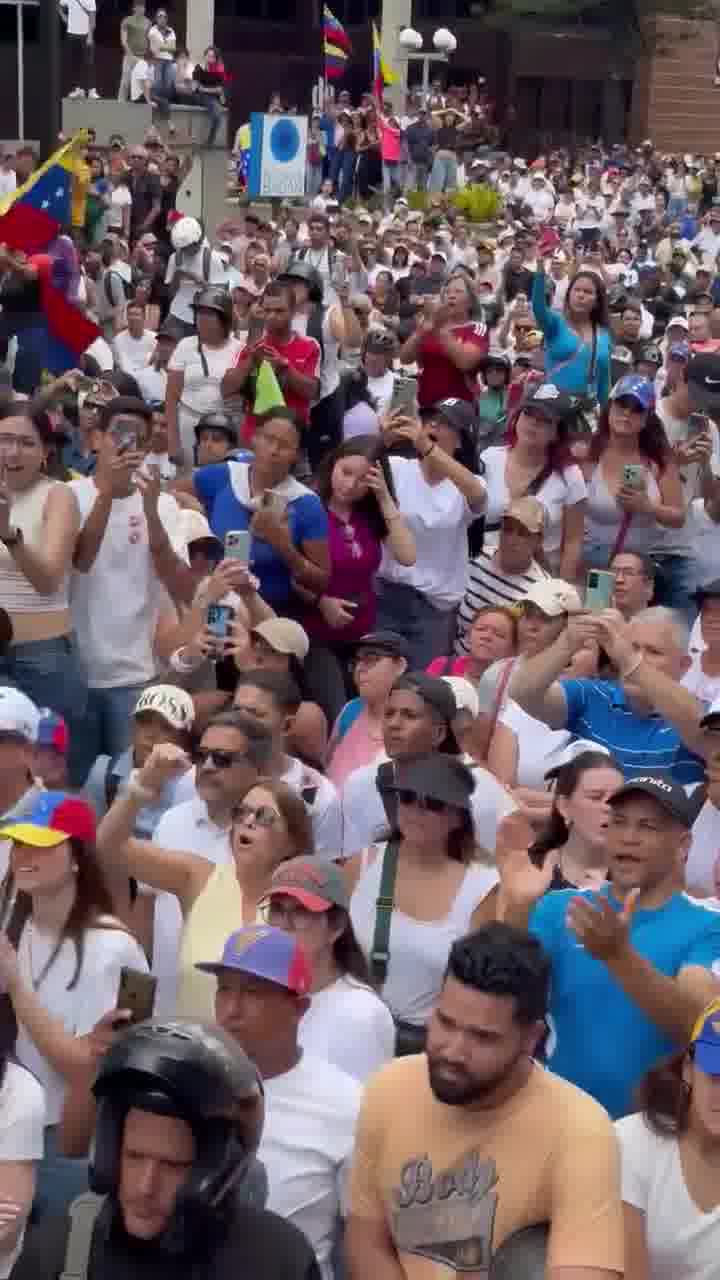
pixel 600 1040
pixel 306 515
pixel 598 709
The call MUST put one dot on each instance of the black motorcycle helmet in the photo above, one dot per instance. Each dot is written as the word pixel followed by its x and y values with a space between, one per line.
pixel 651 354
pixel 218 421
pixel 309 275
pixel 215 298
pixel 195 1072
pixel 497 360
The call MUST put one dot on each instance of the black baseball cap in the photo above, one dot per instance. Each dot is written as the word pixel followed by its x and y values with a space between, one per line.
pixel 660 786
pixel 458 414
pixel 703 374
pixel 390 642
pixel 708 591
pixel 433 690
pixel 439 777
pixel 548 401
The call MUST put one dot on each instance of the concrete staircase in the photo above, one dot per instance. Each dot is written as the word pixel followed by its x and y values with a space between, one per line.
pixel 675 100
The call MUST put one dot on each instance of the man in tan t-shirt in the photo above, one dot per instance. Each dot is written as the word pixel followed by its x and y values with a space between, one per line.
pixel 458 1150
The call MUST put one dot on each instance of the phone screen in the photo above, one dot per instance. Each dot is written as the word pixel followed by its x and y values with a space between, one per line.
pixel 136 992
pixel 219 617
pixel 697 425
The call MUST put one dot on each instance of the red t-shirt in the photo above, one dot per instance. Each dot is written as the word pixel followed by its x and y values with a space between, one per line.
pixel 439 379
pixel 304 356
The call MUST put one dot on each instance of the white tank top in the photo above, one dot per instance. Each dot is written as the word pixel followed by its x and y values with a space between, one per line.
pixel 603 516
pixel 418 948
pixel 17 595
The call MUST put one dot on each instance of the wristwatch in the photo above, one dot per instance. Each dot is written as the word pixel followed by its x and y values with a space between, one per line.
pixel 13 537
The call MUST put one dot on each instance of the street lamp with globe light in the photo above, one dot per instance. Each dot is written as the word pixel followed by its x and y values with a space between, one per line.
pixel 411 43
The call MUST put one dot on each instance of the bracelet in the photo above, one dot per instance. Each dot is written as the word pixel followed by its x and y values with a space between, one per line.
pixel 137 791
pixel 632 668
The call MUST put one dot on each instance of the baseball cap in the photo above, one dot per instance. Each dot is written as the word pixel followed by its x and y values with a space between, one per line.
pixel 704 381
pixel 54 817
pixel 53 732
pixel 528 512
pixel 265 952
pixel 551 403
pixel 390 642
pixel 466 698
pixel 316 885
pixel 680 351
pixel 633 387
pixel 18 714
pixel 708 591
pixel 681 322
pixel 434 691
pixel 669 795
pixel 553 597
pixel 284 636
pixel 438 777
pixel 705 1040
pixel 168 701
pixel 458 414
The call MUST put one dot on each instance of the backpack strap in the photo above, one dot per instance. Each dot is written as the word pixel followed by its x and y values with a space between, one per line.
pixel 83 1213
pixel 206 263
pixel 380 952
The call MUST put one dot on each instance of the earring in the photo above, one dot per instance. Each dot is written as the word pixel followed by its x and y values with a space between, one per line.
pixel 75 868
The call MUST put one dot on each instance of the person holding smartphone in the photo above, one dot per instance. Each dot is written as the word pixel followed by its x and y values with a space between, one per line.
pixel 577 339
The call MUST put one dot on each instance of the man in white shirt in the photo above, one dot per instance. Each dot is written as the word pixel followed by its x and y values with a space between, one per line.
pixel 707 242
pixel 152 380
pixel 125 567
pixel 193 265
pixel 311 1107
pixel 79 16
pixel 702 870
pixel 134 346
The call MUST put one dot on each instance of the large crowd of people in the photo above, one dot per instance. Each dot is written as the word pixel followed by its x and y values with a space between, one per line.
pixel 359 721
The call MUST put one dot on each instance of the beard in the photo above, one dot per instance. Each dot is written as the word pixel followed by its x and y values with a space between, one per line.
pixel 462 1088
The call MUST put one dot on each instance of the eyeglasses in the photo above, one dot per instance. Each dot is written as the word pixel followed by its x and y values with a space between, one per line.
pixel 368 658
pixel 629 573
pixel 430 803
pixel 293 918
pixel 264 816
pixel 218 759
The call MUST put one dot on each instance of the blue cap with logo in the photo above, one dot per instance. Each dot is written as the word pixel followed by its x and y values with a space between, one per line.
pixel 633 387
pixel 265 952
pixel 705 1040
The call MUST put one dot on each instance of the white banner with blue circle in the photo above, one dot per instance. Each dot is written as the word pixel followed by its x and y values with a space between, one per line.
pixel 278 151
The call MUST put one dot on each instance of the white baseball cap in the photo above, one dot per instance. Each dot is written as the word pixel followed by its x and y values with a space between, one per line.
pixel 466 697
pixel 169 702
pixel 553 597
pixel 18 714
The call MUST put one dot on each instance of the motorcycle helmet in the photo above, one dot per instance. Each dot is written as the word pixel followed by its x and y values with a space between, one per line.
pixel 215 298
pixel 196 1073
pixel 308 275
pixel 218 421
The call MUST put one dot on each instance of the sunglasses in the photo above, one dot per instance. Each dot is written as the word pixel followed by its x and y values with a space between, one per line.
pixel 429 803
pixel 218 759
pixel 263 816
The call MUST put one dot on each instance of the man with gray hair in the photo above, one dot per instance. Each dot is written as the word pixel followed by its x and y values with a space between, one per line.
pixel 645 718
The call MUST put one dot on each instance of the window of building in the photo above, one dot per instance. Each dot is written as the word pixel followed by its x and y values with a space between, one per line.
pixel 280 10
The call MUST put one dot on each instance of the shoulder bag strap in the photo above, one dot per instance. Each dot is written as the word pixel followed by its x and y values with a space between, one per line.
pixel 203 359
pixel 83 1213
pixel 502 685
pixel 380 953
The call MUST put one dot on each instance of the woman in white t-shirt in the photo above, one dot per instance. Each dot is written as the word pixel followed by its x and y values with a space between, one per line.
pixel 439 496
pixel 347 1023
pixel 670 1153
pixel 197 367
pixel 536 461
pixel 118 215
pixel 65 973
pixel 22 1126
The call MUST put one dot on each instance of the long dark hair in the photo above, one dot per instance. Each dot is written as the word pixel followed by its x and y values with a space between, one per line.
pixel 92 902
pixel 652 440
pixel 556 833
pixel 663 1096
pixel 559 457
pixel 371 448
pixel 347 953
pixel 599 315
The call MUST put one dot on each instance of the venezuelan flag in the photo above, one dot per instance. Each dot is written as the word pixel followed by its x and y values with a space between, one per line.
pixel 337 48
pixel 382 75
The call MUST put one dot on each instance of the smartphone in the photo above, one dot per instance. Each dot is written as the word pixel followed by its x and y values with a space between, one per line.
pixel 124 433
pixel 219 619
pixel 633 475
pixel 599 587
pixel 136 992
pixel 237 545
pixel 697 425
pixel 404 395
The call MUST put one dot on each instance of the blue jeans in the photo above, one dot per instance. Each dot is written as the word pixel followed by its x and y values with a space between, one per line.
pixel 214 110
pixel 444 172
pixel 390 178
pixel 50 672
pixel 427 631
pixel 164 81
pixel 108 728
pixel 60 1180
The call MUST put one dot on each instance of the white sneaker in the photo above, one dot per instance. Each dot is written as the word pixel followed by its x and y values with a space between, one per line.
pixel 77 93
pixel 94 94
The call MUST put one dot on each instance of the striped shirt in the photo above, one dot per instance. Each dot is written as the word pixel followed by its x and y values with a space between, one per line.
pixel 598 709
pixel 488 584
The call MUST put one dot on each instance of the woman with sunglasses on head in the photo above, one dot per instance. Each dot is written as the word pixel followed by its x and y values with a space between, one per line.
pixel 269 824
pixel 536 462
pixel 577 339
pixel 670 1163
pixel 436 888
pixel 635 490
pixel 347 1023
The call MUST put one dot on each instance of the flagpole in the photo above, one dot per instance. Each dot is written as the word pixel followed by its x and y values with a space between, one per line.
pixel 49 30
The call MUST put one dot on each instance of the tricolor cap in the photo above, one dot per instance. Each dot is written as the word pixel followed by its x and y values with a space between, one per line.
pixel 53 732
pixel 55 816
pixel 265 952
pixel 316 885
pixel 705 1040
pixel 633 387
